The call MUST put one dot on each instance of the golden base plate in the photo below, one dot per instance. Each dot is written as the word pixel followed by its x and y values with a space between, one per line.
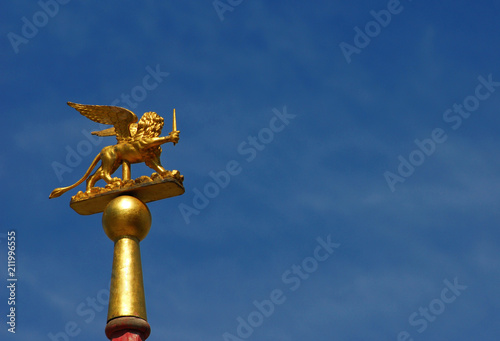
pixel 146 191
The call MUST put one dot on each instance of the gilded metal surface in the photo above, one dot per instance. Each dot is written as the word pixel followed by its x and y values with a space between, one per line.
pixel 126 174
pixel 174 125
pixel 126 220
pixel 127 288
pixel 137 142
pixel 147 191
pixel 126 216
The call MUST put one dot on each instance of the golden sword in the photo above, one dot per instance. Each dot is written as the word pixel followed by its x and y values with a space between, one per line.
pixel 174 124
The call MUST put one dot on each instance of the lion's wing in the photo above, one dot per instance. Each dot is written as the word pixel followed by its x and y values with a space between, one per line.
pixel 120 118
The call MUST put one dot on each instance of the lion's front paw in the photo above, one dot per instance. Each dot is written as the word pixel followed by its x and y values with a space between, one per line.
pixel 166 174
pixel 115 183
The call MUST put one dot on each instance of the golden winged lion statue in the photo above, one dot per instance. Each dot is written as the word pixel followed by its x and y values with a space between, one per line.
pixel 138 141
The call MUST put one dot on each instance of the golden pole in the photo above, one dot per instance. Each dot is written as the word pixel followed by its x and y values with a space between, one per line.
pixel 126 221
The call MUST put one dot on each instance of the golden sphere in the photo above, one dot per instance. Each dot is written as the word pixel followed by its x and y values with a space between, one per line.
pixel 126 216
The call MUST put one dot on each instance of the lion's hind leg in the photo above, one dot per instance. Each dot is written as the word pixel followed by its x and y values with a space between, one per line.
pixel 102 174
pixel 92 180
pixel 109 169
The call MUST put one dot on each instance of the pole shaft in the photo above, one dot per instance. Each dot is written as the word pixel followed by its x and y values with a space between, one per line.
pixel 126 221
pixel 127 288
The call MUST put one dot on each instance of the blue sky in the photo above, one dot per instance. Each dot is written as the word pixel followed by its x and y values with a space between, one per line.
pixel 363 143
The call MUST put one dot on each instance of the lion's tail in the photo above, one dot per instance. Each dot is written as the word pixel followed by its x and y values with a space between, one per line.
pixel 60 191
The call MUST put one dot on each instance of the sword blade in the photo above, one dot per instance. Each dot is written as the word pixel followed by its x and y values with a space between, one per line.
pixel 174 123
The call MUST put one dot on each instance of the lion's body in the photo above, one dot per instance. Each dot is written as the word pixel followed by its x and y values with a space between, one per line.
pixel 113 157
